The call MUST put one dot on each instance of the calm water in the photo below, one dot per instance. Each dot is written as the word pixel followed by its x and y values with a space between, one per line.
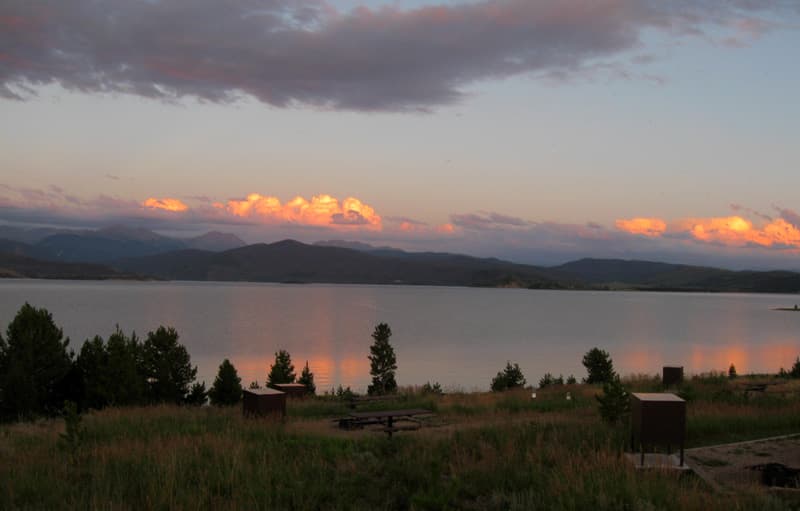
pixel 460 337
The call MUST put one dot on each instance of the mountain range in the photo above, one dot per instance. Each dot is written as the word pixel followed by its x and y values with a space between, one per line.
pixel 125 252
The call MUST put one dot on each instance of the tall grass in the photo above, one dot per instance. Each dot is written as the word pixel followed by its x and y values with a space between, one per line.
pixel 499 452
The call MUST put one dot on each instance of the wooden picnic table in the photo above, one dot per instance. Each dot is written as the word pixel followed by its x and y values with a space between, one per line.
pixel 389 416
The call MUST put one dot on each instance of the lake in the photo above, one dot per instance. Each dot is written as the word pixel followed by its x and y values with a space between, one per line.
pixel 459 337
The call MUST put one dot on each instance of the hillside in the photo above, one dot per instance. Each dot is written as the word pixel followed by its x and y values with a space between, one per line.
pixel 16 266
pixel 648 275
pixel 292 261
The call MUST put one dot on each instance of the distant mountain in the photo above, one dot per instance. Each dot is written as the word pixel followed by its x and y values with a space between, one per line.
pixel 15 266
pixel 97 248
pixel 105 245
pixel 292 261
pixel 647 275
pixel 214 241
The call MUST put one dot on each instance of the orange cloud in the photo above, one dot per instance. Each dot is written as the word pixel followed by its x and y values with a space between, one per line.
pixel 652 227
pixel 166 204
pixel 321 210
pixel 733 231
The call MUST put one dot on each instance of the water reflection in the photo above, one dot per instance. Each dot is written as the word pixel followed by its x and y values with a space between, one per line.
pixel 459 337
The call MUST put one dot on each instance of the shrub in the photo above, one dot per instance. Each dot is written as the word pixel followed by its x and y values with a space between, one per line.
pixel 282 371
pixel 732 372
pixel 795 370
pixel 614 402
pixel 307 379
pixel 254 385
pixel 599 365
pixel 548 380
pixel 383 362
pixel 571 380
pixel 509 378
pixel 434 389
pixel 227 387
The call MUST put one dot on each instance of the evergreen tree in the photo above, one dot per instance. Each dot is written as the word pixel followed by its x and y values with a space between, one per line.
pixel 509 378
pixel 383 362
pixel 307 379
pixel 97 381
pixel 33 364
pixel 198 395
pixel 227 387
pixel 732 372
pixel 599 365
pixel 282 371
pixel 126 365
pixel 167 367
pixel 614 402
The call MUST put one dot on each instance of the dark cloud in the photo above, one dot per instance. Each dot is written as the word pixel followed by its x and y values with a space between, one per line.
pixel 290 52
pixel 486 220
pixel 744 209
pixel 790 216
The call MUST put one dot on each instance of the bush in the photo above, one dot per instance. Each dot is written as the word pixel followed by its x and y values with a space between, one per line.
pixel 227 387
pixel 571 380
pixel 34 363
pixel 307 379
pixel 599 365
pixel 614 402
pixel 548 380
pixel 282 371
pixel 434 389
pixel 383 362
pixel 509 378
pixel 732 372
pixel 795 370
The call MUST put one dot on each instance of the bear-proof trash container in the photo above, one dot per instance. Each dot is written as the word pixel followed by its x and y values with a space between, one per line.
pixel 671 375
pixel 263 402
pixel 657 419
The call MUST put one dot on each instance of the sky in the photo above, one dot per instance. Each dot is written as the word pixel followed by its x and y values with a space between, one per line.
pixel 533 130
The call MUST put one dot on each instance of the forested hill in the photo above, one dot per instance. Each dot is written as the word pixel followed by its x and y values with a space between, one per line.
pixel 648 275
pixel 292 261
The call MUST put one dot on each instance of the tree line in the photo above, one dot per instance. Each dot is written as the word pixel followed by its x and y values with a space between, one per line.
pixel 39 372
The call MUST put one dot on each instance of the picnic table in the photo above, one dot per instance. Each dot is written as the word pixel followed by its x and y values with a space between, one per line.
pixel 385 417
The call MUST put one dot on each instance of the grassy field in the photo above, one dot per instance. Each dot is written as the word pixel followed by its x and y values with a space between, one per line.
pixel 488 451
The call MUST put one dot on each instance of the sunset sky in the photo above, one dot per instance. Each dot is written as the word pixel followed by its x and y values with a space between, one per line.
pixel 538 131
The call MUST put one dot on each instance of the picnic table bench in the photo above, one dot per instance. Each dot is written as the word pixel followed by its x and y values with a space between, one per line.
pixel 385 417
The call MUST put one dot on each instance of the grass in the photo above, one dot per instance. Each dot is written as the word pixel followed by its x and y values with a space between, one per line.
pixel 497 452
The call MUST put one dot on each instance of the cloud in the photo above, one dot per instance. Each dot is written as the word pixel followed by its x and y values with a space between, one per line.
pixel 653 227
pixel 486 220
pixel 307 52
pixel 166 204
pixel 56 206
pixel 730 231
pixel 321 210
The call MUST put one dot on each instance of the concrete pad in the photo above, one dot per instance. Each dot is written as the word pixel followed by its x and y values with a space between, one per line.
pixel 656 461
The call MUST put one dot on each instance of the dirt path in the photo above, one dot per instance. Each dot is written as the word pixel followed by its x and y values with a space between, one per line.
pixel 728 467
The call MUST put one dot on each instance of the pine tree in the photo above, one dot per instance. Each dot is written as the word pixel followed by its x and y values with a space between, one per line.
pixel 167 367
pixel 282 371
pixel 307 379
pixel 599 365
pixel 614 402
pixel 383 362
pixel 510 377
pixel 198 395
pixel 227 387
pixel 33 363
